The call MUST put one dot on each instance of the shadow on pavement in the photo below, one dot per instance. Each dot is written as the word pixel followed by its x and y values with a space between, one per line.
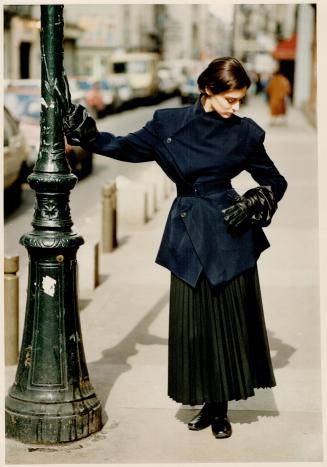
pixel 114 362
pixel 250 416
pixel 284 351
pixel 235 416
pixel 83 303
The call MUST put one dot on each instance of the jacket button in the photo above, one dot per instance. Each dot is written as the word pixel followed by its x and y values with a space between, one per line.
pixel 168 140
pixel 183 214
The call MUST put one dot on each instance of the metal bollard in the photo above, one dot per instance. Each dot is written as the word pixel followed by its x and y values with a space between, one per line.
pixel 96 265
pixel 109 217
pixel 11 296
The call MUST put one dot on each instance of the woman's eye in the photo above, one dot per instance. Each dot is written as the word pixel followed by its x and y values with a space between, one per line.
pixel 232 101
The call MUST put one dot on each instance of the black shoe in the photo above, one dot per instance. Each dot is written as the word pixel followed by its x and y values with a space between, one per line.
pixel 203 419
pixel 221 427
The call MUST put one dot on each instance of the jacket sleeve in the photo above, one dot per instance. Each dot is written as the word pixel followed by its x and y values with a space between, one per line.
pixel 260 166
pixel 134 147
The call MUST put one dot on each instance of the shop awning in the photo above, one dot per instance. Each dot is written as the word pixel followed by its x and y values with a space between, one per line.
pixel 285 49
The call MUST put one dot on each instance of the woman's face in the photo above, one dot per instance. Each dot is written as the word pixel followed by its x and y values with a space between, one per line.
pixel 225 103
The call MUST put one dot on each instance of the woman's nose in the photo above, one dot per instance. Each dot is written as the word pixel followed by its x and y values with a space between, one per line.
pixel 236 106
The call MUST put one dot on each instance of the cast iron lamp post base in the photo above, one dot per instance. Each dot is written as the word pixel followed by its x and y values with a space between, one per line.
pixel 52 399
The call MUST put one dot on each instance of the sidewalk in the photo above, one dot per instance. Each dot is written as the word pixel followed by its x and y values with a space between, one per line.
pixel 125 327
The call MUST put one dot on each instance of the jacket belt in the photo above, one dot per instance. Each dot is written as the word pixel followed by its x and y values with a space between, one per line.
pixel 203 188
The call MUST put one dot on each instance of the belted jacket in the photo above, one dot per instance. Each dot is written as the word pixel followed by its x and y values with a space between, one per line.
pixel 201 152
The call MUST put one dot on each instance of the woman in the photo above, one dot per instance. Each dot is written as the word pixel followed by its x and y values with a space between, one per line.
pixel 218 347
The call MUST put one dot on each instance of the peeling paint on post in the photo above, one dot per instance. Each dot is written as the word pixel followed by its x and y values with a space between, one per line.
pixel 52 399
pixel 49 285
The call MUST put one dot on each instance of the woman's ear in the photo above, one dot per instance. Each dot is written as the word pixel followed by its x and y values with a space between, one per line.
pixel 207 91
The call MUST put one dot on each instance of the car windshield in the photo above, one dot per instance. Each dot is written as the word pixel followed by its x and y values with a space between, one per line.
pixel 18 103
pixel 105 85
pixel 85 85
pixel 32 109
pixel 138 67
pixel 119 67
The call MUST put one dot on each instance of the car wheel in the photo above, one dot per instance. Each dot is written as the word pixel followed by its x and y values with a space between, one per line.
pixel 87 165
pixel 25 171
pixel 71 157
pixel 12 197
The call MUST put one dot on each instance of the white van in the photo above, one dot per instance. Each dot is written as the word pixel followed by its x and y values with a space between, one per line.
pixel 141 70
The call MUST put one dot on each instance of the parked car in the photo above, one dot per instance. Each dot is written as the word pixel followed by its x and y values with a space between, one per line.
pixel 189 91
pixel 15 152
pixel 141 70
pixel 122 90
pixel 182 68
pixel 27 108
pixel 27 87
pixel 167 86
pixel 99 94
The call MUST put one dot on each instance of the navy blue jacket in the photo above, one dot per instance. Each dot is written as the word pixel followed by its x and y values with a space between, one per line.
pixel 201 152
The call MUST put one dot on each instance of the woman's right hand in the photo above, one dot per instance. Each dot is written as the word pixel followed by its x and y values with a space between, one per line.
pixel 78 126
pixel 64 96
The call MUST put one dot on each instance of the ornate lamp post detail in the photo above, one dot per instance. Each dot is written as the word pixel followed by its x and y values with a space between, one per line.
pixel 52 399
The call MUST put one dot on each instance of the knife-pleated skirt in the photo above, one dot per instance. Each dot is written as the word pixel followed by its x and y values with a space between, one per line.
pixel 218 347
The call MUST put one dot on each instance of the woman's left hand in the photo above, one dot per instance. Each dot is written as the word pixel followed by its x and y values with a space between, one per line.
pixel 237 214
pixel 256 206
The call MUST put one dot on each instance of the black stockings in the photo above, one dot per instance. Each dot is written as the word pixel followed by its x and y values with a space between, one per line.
pixel 219 408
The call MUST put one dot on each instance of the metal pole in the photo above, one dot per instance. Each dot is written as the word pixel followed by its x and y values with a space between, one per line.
pixel 52 399
pixel 11 295
pixel 109 217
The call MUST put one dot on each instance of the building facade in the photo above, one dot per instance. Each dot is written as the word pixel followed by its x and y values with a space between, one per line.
pixel 175 31
pixel 218 37
pixel 257 30
pixel 93 32
pixel 184 31
pixel 22 42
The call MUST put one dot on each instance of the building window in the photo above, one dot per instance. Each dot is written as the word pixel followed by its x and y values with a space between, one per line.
pixel 24 58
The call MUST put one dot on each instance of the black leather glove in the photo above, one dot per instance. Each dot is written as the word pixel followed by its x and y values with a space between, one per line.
pixel 79 127
pixel 255 207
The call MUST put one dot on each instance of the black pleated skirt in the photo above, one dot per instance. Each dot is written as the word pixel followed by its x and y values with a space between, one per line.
pixel 218 346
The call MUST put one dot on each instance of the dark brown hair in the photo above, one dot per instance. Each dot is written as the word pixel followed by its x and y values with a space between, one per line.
pixel 223 74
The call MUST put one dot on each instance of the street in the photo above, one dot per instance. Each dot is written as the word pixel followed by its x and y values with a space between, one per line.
pixel 125 326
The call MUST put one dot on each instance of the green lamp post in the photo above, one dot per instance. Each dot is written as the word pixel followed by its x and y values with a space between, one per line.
pixel 52 399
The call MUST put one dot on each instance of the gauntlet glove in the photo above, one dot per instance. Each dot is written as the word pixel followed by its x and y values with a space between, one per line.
pixel 255 207
pixel 79 127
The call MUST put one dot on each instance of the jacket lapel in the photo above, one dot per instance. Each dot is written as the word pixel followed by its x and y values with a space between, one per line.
pixel 168 122
pixel 171 121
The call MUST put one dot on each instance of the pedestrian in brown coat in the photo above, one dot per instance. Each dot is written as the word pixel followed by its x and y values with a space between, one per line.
pixel 278 89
